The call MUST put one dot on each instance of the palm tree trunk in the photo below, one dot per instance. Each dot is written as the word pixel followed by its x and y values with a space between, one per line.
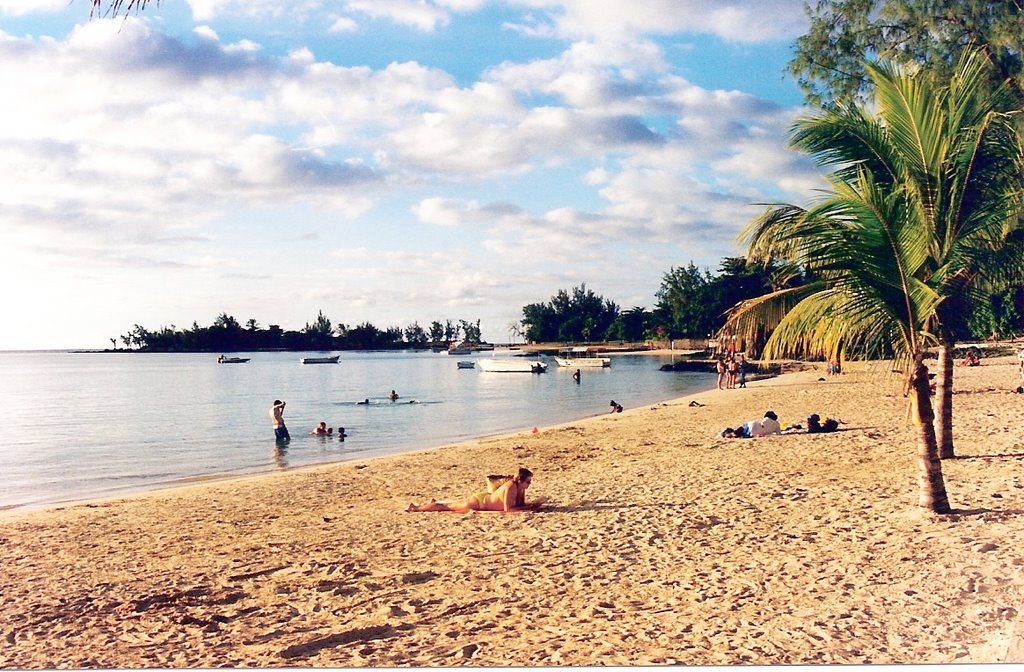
pixel 931 487
pixel 944 398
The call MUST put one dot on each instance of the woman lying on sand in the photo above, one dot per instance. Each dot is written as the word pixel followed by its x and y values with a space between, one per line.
pixel 509 496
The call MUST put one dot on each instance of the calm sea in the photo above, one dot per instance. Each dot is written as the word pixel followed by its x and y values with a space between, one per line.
pixel 85 425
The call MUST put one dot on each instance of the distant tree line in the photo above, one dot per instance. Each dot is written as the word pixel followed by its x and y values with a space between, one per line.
pixel 227 335
pixel 693 303
pixel 690 303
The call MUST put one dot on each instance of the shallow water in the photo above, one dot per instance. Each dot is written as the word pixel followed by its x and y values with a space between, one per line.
pixel 83 425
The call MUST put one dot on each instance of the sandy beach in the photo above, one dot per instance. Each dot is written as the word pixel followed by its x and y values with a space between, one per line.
pixel 661 543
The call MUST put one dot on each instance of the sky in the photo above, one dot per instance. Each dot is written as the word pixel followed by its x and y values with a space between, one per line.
pixel 389 161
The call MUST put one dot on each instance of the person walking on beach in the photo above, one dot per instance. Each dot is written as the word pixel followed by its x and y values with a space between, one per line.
pixel 510 496
pixel 277 419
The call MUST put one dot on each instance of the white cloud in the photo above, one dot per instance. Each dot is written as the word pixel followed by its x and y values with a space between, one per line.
pixel 343 24
pixel 23 7
pixel 226 164
pixel 440 211
pixel 414 13
pixel 734 20
pixel 206 32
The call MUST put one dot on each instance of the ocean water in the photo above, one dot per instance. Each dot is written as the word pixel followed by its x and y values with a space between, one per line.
pixel 85 425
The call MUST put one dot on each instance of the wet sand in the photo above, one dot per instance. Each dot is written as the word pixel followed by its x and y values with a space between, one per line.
pixel 661 543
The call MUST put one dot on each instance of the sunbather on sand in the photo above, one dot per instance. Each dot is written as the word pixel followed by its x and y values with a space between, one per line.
pixel 509 496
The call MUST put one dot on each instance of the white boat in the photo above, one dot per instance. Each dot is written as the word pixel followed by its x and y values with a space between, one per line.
pixel 466 364
pixel 320 360
pixel 461 348
pixel 581 357
pixel 512 365
pixel 232 360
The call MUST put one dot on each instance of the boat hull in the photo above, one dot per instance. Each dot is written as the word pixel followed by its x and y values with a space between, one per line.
pixel 320 360
pixel 511 365
pixel 584 362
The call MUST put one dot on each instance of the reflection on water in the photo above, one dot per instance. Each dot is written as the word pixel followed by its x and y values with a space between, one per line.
pixel 132 420
pixel 281 456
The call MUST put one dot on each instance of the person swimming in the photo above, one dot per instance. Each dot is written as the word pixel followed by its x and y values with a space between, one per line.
pixel 509 496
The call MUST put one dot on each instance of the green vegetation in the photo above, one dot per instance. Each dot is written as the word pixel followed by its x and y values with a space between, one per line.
pixel 921 220
pixel 829 61
pixel 227 335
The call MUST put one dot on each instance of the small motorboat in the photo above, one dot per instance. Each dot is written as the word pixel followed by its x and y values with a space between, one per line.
pixel 512 365
pixel 582 357
pixel 320 360
pixel 466 364
pixel 460 348
pixel 232 360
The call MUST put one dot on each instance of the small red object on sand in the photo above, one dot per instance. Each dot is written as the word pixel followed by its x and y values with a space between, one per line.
pixel 536 431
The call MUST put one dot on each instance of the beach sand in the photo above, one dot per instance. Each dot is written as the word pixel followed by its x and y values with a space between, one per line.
pixel 661 543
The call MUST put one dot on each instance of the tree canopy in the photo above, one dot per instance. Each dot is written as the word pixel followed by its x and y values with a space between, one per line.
pixel 845 34
pixel 227 335
pixel 922 215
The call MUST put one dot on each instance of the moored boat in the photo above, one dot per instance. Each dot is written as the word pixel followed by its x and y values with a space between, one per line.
pixel 320 360
pixel 466 364
pixel 232 360
pixel 460 348
pixel 581 357
pixel 512 365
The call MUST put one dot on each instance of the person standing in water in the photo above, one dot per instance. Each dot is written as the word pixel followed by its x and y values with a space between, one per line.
pixel 277 419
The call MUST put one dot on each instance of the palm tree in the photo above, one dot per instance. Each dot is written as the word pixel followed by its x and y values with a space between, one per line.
pixel 924 206
pixel 956 150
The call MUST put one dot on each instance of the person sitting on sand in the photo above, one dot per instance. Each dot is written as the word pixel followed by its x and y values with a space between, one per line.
pixel 509 496
pixel 615 407
pixel 770 424
pixel 766 426
pixel 971 360
pixel 816 426
pixel 739 432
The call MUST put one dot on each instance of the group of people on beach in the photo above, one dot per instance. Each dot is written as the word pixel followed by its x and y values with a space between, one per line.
pixel 732 371
pixel 769 425
pixel 323 430
pixel 504 492
pixel 281 434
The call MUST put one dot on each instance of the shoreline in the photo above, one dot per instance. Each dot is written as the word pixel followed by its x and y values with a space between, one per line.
pixel 232 476
pixel 661 543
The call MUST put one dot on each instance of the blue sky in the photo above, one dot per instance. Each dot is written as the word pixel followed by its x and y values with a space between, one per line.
pixel 387 161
